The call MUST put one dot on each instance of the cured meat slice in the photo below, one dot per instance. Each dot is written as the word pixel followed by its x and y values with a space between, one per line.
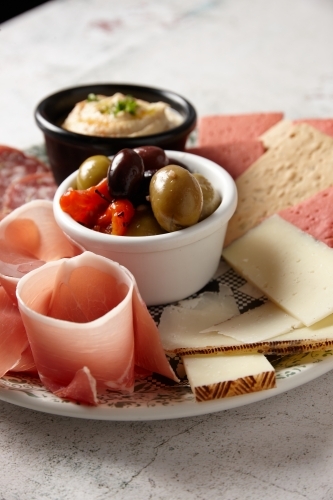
pixel 76 324
pixel 37 186
pixel 14 165
pixel 149 352
pixel 13 339
pixel 26 362
pixel 82 388
pixel 234 157
pixel 29 237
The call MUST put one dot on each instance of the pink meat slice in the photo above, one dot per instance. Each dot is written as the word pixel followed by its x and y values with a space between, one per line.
pixel 36 186
pixel 26 362
pixel 13 337
pixel 234 157
pixel 76 324
pixel 223 129
pixel 29 237
pixel 149 352
pixel 314 216
pixel 81 389
pixel 14 165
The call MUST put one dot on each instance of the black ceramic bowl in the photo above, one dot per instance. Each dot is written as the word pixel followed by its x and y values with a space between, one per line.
pixel 67 150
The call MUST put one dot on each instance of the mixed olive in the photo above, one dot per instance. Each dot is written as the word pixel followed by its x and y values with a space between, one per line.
pixel 139 192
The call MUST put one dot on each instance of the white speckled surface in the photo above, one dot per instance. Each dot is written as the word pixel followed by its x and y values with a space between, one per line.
pixel 225 56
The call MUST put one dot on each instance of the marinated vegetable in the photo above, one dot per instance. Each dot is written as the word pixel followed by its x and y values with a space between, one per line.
pixel 125 173
pixel 116 218
pixel 144 223
pixel 85 206
pixel 153 157
pixel 176 198
pixel 92 171
pixel 211 197
pixel 138 193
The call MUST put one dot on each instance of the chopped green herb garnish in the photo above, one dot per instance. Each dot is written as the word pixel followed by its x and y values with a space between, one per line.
pixel 92 97
pixel 129 105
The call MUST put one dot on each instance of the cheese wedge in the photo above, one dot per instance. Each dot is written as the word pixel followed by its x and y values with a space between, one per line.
pixel 220 376
pixel 289 266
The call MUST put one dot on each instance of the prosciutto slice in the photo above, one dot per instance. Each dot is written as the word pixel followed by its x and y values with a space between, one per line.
pixel 13 339
pixel 26 363
pixel 88 326
pixel 29 237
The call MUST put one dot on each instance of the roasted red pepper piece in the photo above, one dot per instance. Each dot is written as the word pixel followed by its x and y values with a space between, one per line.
pixel 123 212
pixel 86 205
pixel 116 217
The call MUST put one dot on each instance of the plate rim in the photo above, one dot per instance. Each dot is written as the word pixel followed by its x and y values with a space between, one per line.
pixel 176 410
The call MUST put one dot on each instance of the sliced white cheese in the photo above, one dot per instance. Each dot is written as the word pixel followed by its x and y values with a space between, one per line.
pixel 219 376
pixel 289 266
pixel 323 330
pixel 179 324
pixel 256 325
pixel 211 302
pixel 251 290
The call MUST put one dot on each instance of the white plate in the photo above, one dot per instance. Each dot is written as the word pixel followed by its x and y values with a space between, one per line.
pixel 157 399
pixel 149 402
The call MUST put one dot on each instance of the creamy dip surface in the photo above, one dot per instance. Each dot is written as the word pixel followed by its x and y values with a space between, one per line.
pixel 120 116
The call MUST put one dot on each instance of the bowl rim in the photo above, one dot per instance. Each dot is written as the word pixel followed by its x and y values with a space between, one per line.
pixel 49 127
pixel 161 242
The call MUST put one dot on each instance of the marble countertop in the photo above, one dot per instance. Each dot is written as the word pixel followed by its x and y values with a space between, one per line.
pixel 226 56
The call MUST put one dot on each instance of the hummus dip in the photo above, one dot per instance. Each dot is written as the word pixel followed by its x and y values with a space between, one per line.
pixel 120 116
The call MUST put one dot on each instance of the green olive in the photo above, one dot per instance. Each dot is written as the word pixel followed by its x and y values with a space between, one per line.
pixel 144 223
pixel 211 197
pixel 176 198
pixel 92 171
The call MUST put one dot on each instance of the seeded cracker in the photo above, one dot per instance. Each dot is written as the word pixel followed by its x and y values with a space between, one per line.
pixel 296 168
pixel 276 134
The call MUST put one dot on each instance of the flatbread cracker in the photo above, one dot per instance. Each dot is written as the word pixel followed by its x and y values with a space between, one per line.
pixel 325 125
pixel 298 167
pixel 276 134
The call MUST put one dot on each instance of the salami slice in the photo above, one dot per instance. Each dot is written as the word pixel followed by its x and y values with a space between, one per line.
pixel 14 165
pixel 36 186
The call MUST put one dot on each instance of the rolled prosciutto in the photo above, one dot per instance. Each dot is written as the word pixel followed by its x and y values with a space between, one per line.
pixel 88 327
pixel 30 237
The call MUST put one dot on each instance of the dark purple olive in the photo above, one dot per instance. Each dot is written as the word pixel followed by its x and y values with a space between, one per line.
pixel 140 197
pixel 125 174
pixel 153 157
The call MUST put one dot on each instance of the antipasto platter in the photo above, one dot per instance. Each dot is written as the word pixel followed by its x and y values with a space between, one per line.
pixel 286 337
